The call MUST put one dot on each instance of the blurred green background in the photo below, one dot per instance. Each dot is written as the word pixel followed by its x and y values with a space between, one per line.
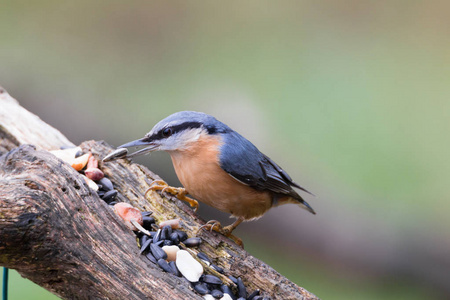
pixel 350 97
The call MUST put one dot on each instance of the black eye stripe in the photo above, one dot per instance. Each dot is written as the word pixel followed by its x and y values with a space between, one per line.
pixel 164 133
pixel 184 126
pixel 180 127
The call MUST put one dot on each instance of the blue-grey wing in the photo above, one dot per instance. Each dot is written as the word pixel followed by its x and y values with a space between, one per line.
pixel 242 160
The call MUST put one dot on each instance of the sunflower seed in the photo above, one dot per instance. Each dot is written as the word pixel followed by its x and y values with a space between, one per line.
pixel 241 288
pixel 181 235
pixel 164 265
pixel 118 153
pixel 146 245
pixel 157 252
pixel 192 242
pixel 201 288
pixel 253 295
pixel 217 294
pixel 106 184
pixel 212 279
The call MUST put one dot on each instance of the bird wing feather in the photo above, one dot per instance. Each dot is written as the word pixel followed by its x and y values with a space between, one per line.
pixel 244 162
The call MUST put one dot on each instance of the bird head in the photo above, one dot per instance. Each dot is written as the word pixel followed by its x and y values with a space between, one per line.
pixel 177 132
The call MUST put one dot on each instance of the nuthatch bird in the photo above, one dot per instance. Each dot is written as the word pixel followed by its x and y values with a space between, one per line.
pixel 219 167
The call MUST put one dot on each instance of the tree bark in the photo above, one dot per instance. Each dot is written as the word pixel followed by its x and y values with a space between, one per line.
pixel 57 232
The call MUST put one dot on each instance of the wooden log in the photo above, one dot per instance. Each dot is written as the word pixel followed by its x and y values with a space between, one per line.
pixel 57 232
pixel 18 126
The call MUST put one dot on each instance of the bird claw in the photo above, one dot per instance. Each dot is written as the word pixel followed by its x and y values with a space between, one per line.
pixel 180 193
pixel 214 225
pixel 210 225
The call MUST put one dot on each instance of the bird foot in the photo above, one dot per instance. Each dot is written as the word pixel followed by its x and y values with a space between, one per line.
pixel 214 225
pixel 180 193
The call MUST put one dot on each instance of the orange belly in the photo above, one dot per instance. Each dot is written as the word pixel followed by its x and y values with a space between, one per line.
pixel 199 171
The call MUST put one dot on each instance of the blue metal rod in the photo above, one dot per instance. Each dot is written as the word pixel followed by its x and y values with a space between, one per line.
pixel 5 284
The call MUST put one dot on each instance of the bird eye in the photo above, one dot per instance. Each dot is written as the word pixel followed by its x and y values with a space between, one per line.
pixel 167 132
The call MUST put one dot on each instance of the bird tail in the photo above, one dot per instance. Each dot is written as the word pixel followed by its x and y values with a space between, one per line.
pixel 303 204
pixel 297 199
pixel 294 199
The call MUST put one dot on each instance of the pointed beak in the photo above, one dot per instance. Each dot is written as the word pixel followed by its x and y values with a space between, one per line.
pixel 135 143
pixel 152 146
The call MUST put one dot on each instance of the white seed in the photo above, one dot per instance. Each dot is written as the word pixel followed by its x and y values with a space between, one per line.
pixel 226 297
pixel 67 155
pixel 209 297
pixel 91 183
pixel 171 252
pixel 188 266
pixel 174 223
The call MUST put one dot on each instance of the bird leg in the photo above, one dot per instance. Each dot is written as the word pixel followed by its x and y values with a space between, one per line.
pixel 214 225
pixel 180 193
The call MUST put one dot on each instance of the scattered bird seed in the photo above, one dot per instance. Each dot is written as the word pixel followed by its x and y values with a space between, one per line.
pixel 147 222
pixel 91 183
pixel 226 290
pixel 118 153
pixel 68 155
pixel 157 236
pixel 152 234
pixel 204 257
pixel 181 235
pixel 151 258
pixel 106 184
pixel 94 173
pixel 143 238
pixel 174 223
pixel 166 231
pixel 159 243
pixel 217 294
pixel 146 246
pixel 92 162
pixel 201 288
pixel 110 196
pixel 164 265
pixel 128 213
pixel 80 162
pixel 188 266
pixel 79 153
pixel 171 252
pixel 208 297
pixel 192 242
pixel 217 268
pixel 146 213
pixel 241 288
pixel 175 270
pixel 175 238
pixel 158 252
pixel 234 279
pixel 227 297
pixel 253 295
pixel 212 279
